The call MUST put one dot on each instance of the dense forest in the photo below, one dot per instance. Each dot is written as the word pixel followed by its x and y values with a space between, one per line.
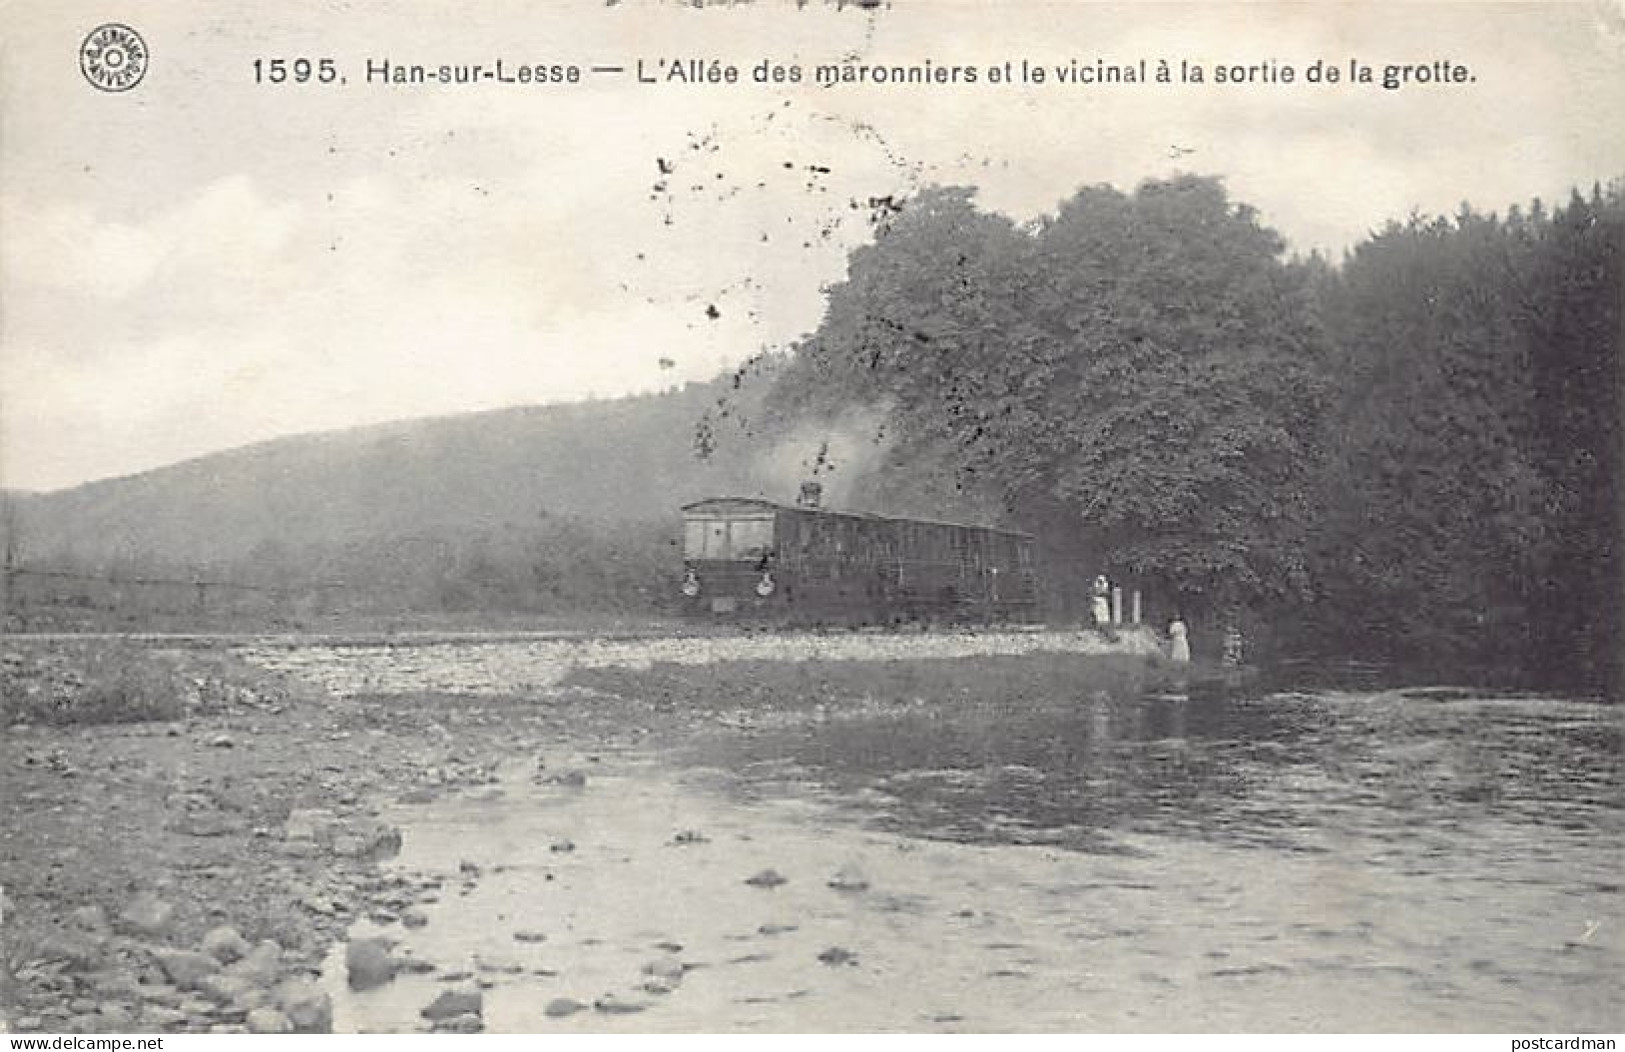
pixel 1411 456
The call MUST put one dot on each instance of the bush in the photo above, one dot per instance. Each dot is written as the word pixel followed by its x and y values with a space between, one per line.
pixel 90 682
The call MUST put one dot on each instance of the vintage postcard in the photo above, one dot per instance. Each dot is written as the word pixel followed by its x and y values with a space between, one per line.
pixel 904 516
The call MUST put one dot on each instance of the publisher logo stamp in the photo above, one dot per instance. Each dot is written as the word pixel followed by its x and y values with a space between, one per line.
pixel 113 57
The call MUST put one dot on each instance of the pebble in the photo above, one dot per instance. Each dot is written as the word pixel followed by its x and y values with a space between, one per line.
pixel 849 878
pixel 260 965
pixel 368 963
pixel 147 914
pixel 414 966
pixel 115 985
pixel 225 944
pixel 222 741
pixel 160 1016
pixel 116 1018
pixel 560 1007
pixel 529 936
pixel 186 968
pixel 268 1021
pixel 609 1004
pixel 767 878
pixel 161 993
pixel 451 1003
pixel 669 968
pixel 308 1007
pixel 225 987
pixel 90 918
pixel 412 917
pixel 309 823
pixel 468 1023
pixel 838 955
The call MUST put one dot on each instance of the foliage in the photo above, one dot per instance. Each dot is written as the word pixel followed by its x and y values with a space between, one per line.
pixel 90 683
pixel 1478 441
pixel 1144 367
pixel 1415 455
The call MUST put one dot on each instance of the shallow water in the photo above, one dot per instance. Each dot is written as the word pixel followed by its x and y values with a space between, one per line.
pixel 1347 862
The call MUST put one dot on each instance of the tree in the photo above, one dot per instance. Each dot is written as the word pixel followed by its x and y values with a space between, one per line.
pixel 1137 370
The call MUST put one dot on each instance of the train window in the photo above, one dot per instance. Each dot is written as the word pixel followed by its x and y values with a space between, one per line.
pixel 750 538
pixel 727 538
pixel 694 535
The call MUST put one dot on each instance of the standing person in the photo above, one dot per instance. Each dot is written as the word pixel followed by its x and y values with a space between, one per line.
pixel 1100 605
pixel 1179 644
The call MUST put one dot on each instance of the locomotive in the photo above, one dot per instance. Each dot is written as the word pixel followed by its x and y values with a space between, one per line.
pixel 752 560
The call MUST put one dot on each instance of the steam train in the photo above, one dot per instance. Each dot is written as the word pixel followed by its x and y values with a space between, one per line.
pixel 757 561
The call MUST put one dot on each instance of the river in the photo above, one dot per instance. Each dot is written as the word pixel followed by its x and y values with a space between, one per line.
pixel 1376 861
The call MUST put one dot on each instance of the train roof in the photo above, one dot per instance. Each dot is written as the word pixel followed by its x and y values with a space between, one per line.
pixel 861 516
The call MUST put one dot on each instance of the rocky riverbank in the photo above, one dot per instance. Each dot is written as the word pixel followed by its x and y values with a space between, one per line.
pixel 190 873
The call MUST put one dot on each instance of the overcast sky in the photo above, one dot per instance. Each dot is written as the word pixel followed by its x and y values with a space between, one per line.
pixel 203 261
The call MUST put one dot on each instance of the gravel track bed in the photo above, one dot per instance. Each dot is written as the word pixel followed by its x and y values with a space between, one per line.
pixel 510 666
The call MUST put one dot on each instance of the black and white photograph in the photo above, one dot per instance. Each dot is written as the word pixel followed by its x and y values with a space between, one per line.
pixel 874 517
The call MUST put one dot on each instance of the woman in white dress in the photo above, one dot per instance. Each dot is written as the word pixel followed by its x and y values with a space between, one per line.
pixel 1100 607
pixel 1179 644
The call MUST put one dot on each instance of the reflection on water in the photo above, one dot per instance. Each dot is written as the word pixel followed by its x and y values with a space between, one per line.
pixel 1288 771
pixel 1348 862
pixel 1473 846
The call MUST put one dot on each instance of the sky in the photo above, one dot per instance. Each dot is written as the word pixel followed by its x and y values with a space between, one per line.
pixel 203 261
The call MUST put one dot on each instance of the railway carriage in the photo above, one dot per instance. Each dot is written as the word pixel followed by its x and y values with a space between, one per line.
pixel 752 560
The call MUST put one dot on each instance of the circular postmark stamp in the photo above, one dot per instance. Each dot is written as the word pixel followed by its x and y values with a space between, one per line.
pixel 113 57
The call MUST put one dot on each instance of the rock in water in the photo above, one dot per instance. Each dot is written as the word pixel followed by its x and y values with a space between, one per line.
pixel 412 917
pixel 452 1003
pixel 460 1024
pixel 669 968
pixel 838 955
pixel 560 1007
pixel 414 966
pixel 849 878
pixel 767 878
pixel 369 963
